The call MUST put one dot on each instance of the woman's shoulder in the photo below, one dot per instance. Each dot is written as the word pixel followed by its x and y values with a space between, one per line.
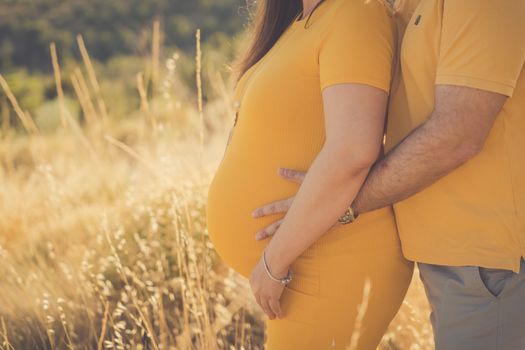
pixel 351 13
pixel 364 7
pixel 360 16
pixel 353 9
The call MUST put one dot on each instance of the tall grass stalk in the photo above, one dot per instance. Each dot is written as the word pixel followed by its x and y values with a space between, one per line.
pixel 149 118
pixel 83 98
pixel 155 53
pixel 92 77
pixel 27 122
pixel 5 340
pixel 198 80
pixel 65 115
pixel 6 123
pixel 58 83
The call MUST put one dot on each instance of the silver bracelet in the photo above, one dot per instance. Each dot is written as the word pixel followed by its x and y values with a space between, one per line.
pixel 285 280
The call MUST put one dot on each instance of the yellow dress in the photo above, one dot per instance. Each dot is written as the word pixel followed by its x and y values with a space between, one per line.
pixel 281 124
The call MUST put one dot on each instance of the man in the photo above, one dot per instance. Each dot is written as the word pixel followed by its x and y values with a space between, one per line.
pixel 455 168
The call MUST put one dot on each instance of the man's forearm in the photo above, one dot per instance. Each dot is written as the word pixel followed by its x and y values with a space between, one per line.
pixel 415 164
pixel 454 133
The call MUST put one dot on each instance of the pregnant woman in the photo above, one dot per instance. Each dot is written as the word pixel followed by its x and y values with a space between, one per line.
pixel 312 95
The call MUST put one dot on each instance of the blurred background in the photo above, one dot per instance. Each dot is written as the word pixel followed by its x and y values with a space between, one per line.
pixel 114 116
pixel 120 36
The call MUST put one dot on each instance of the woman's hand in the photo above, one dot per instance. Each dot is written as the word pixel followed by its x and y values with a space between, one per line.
pixel 266 291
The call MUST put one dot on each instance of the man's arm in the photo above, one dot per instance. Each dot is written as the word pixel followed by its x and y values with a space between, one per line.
pixel 455 132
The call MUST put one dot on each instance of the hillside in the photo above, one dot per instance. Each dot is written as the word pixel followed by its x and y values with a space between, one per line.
pixel 116 27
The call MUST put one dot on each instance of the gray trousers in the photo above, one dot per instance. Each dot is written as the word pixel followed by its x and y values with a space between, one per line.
pixel 475 308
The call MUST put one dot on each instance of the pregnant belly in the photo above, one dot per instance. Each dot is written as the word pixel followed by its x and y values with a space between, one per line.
pixel 248 178
pixel 240 185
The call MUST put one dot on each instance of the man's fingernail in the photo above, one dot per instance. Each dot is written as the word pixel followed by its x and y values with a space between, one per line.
pixel 257 237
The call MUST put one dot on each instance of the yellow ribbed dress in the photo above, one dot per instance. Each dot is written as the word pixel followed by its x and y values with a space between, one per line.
pixel 281 124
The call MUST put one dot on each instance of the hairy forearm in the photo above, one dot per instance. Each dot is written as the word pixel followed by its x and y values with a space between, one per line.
pixel 426 155
pixel 454 133
pixel 321 199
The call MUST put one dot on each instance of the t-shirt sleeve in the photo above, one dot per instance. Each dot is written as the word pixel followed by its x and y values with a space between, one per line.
pixel 359 46
pixel 482 44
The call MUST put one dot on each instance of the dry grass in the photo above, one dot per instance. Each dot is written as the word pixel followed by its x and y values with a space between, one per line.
pixel 103 243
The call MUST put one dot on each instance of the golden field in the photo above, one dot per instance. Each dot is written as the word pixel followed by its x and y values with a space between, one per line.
pixel 103 243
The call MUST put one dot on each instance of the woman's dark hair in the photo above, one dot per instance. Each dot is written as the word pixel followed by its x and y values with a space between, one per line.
pixel 271 18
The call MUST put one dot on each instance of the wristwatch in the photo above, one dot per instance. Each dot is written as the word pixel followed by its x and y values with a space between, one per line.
pixel 348 217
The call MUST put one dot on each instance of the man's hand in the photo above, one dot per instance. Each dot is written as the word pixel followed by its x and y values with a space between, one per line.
pixel 279 206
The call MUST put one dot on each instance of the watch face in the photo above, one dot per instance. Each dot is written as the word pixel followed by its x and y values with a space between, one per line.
pixel 345 219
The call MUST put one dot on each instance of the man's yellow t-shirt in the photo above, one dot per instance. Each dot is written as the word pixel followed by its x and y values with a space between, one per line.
pixel 476 214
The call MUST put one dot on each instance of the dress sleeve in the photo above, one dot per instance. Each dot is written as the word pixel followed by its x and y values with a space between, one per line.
pixel 359 45
pixel 482 44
